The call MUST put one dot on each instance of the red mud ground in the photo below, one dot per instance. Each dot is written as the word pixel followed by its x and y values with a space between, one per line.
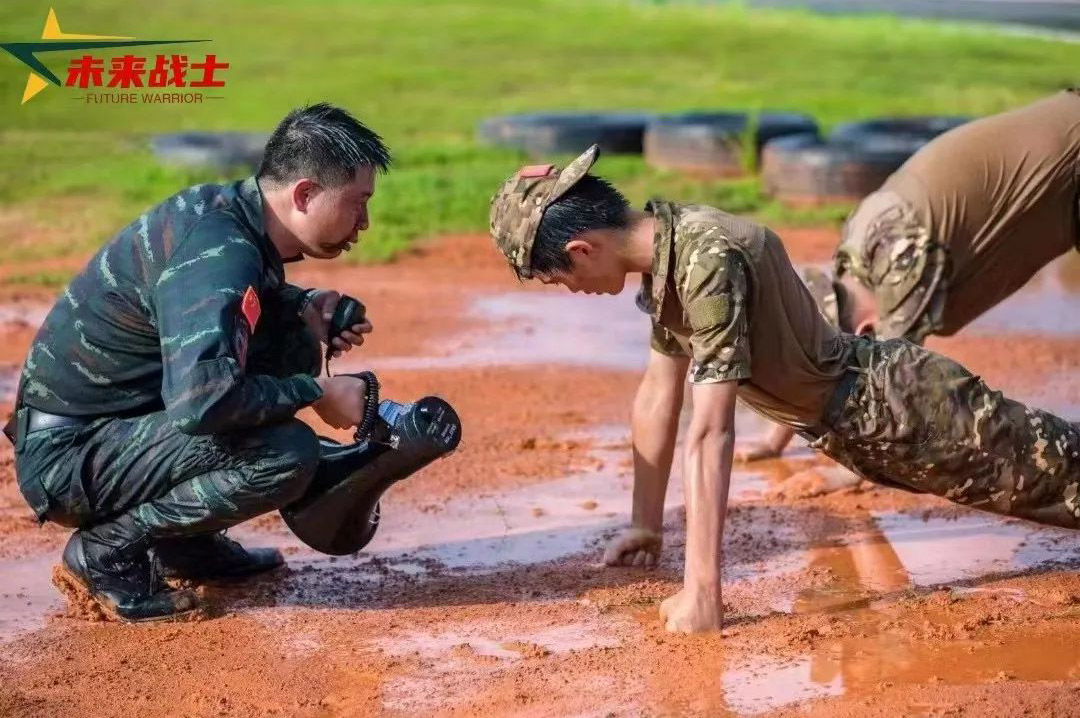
pixel 846 629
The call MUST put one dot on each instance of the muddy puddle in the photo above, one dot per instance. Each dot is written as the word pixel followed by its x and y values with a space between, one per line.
pixel 885 658
pixel 26 595
pixel 872 569
pixel 469 535
pixel 610 332
pixel 549 327
pixel 453 655
pixel 538 523
pixel 870 572
pixel 860 583
pixel 1045 305
pixel 937 551
pixel 892 555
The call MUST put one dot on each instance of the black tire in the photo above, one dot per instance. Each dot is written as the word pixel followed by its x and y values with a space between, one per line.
pixel 803 169
pixel 902 133
pixel 773 125
pixel 223 150
pixel 714 143
pixel 553 133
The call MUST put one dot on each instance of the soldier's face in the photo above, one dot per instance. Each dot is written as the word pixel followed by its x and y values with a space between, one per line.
pixel 333 217
pixel 595 265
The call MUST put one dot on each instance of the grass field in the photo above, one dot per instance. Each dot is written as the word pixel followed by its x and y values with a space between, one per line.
pixel 423 73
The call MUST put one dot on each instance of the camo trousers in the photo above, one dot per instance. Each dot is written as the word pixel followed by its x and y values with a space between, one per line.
pixel 127 477
pixel 919 419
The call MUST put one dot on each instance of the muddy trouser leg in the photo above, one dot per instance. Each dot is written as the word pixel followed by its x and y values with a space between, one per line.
pixel 125 480
pixel 919 419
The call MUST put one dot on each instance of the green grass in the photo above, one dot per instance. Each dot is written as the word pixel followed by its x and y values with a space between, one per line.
pixel 54 279
pixel 423 74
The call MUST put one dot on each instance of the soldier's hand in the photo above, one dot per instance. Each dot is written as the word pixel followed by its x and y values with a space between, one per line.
pixel 351 337
pixel 635 546
pixel 693 610
pixel 343 401
pixel 318 314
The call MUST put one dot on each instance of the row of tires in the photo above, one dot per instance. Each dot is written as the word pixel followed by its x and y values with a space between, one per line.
pixel 220 150
pixel 797 164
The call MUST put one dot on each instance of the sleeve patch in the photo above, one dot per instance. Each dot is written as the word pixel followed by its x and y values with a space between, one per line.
pixel 250 308
pixel 709 312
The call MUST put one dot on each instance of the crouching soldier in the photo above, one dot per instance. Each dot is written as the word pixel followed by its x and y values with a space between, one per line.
pixel 728 309
pixel 156 406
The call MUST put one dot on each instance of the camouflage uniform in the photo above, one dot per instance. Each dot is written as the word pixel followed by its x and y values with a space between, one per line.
pixel 920 419
pixel 723 292
pixel 181 347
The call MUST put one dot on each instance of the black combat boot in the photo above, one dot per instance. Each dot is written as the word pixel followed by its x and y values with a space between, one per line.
pixel 212 556
pixel 121 579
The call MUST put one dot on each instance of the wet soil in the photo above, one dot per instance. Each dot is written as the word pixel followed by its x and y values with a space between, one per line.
pixel 483 593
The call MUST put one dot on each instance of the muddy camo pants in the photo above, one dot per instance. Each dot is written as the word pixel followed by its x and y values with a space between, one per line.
pixel 916 418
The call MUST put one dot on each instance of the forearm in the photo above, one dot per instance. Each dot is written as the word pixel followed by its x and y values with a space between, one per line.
pixel 708 475
pixel 211 401
pixel 655 425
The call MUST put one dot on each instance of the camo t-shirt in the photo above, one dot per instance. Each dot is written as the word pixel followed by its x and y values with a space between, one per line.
pixel 724 293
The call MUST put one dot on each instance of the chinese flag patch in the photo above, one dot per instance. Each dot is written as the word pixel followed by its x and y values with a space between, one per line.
pixel 250 308
pixel 535 171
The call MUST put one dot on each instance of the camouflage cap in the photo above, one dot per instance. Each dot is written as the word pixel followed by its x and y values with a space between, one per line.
pixel 824 294
pixel 889 250
pixel 519 205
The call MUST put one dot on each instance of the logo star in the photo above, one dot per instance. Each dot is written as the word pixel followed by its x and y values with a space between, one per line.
pixel 56 40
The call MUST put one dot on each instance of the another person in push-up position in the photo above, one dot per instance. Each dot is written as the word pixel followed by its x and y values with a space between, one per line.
pixel 966 222
pixel 728 307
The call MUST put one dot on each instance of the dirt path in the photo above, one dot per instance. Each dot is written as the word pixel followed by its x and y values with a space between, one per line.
pixel 482 593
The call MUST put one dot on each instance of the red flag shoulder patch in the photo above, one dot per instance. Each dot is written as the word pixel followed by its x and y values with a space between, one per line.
pixel 535 171
pixel 250 308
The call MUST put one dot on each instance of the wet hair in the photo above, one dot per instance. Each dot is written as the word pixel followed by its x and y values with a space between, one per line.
pixel 323 143
pixel 592 203
pixel 845 307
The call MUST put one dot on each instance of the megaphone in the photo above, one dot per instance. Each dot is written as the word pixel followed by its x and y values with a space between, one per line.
pixel 339 513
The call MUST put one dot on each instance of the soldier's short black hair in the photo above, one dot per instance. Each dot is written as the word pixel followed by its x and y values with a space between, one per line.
pixel 592 203
pixel 323 143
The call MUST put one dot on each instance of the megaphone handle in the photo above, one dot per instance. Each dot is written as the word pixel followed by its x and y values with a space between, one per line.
pixel 349 311
pixel 371 404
